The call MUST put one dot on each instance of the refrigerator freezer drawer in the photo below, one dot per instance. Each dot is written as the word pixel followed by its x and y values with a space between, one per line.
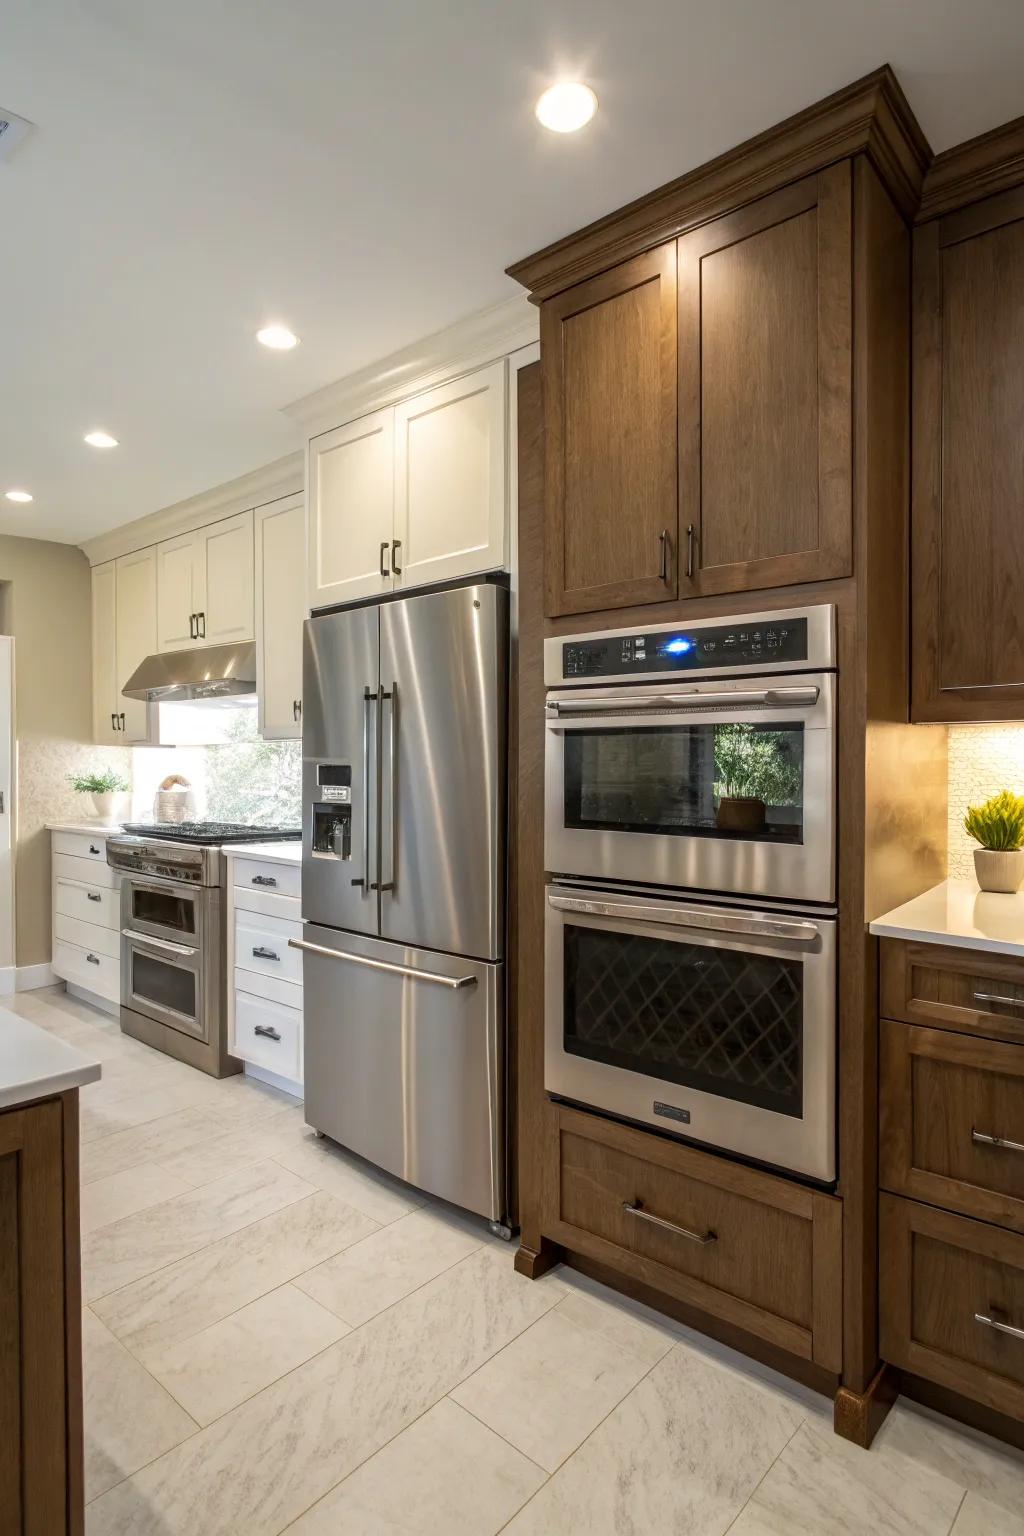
pixel 404 1062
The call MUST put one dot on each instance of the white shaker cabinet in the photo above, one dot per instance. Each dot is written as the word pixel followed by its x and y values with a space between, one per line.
pixel 350 485
pixel 450 479
pixel 205 593
pixel 105 702
pixel 280 610
pixel 123 635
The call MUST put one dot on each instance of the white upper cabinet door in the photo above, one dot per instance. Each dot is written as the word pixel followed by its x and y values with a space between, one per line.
pixel 451 479
pixel 178 580
pixel 136 637
pixel 224 595
pixel 104 654
pixel 350 484
pixel 280 610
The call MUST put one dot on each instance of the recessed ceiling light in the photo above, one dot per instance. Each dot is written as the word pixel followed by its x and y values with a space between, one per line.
pixel 18 495
pixel 277 336
pixel 100 440
pixel 566 107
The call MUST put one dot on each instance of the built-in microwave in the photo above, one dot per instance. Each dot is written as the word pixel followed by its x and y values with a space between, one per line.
pixel 700 757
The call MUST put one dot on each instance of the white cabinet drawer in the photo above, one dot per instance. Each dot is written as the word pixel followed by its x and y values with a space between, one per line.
pixel 261 945
pixel 80 846
pixel 92 903
pixel 274 988
pixel 92 872
pixel 100 941
pixel 269 1035
pixel 255 875
pixel 88 968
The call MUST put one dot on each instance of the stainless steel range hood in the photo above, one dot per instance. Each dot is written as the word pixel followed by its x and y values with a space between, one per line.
pixel 215 672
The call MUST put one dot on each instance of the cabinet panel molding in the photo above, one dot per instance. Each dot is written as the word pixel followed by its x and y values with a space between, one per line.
pixel 280 611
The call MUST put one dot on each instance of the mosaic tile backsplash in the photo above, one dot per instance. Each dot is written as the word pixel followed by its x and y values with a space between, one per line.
pixel 983 759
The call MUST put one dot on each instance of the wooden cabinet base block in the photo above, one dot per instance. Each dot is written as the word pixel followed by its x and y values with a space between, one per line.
pixel 858 1416
pixel 533 1262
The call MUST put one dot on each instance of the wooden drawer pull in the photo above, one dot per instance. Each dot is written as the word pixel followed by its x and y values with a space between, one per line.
pixel 981 1139
pixel 992 1322
pixel 635 1208
pixel 1005 1002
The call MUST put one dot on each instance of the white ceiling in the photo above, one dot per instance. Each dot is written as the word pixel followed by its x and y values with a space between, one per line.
pixel 363 171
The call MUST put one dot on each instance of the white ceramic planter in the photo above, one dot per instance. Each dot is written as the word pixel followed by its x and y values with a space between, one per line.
pixel 108 805
pixel 999 871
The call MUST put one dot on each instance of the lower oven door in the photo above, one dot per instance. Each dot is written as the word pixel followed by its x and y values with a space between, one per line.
pixel 716 1023
pixel 164 981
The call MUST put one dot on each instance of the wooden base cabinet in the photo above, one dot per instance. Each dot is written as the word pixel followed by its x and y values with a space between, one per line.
pixel 761 1253
pixel 41 1482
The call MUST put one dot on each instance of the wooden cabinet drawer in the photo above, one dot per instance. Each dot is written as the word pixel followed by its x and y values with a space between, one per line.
pixel 945 1283
pixel 92 903
pixel 759 1252
pixel 269 1035
pixel 80 846
pixel 952 988
pixel 256 875
pixel 952 1121
pixel 261 945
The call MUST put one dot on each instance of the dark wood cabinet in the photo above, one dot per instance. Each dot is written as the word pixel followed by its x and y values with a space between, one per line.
pixel 968 463
pixel 40 1322
pixel 765 379
pixel 609 359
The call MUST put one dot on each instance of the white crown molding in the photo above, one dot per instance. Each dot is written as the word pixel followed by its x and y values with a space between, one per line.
pixel 284 477
pixel 469 343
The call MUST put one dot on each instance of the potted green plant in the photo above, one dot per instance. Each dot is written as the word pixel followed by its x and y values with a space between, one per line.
pixel 998 826
pixel 752 771
pixel 106 789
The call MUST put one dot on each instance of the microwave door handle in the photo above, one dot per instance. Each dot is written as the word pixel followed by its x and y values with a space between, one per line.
pixel 757 924
pixel 797 698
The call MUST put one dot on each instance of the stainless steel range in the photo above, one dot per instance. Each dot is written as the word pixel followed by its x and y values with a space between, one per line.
pixel 173 983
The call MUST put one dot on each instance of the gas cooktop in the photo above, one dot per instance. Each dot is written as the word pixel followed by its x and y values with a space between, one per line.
pixel 212 834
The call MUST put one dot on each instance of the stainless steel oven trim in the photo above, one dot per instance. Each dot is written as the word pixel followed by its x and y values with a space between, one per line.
pixel 795 872
pixel 821 645
pixel 804 1145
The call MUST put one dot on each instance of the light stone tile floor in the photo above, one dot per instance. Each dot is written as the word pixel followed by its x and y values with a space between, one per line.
pixel 279 1338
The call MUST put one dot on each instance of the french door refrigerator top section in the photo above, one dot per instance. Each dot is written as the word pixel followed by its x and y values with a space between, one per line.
pixel 404 770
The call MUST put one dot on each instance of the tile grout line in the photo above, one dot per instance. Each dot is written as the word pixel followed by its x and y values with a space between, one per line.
pixel 956 1514
pixel 775 1459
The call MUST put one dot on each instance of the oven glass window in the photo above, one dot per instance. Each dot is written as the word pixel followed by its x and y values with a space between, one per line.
pixel 164 985
pixel 738 782
pixel 725 1021
pixel 164 909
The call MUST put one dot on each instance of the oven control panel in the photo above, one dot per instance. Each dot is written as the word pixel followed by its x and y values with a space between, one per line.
pixel 699 648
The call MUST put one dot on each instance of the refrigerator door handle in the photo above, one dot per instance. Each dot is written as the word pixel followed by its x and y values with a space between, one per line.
pixel 369 698
pixel 388 792
pixel 455 983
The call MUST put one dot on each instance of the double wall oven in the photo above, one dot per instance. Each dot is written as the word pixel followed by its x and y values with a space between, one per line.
pixel 691 850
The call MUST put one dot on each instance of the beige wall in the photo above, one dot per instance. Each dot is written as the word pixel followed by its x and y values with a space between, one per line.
pixel 47 596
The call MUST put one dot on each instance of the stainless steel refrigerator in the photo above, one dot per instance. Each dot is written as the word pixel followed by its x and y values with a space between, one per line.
pixel 403 887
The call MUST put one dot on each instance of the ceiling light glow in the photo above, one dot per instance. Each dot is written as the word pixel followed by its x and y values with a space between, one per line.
pixel 100 440
pixel 279 337
pixel 18 495
pixel 566 107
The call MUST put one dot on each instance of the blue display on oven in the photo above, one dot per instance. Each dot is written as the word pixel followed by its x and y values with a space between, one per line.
pixel 677 646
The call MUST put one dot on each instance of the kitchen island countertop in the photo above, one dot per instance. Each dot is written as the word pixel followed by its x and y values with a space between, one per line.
pixel 34 1064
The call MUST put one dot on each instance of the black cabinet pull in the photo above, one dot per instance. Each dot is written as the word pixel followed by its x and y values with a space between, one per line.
pixel 395 567
pixel 93 848
pixel 262 953
pixel 201 620
pixel 689 552
pixel 384 557
pixel 296 709
pixel 192 626
pixel 121 718
pixel 663 567
pixel 113 720
pixel 263 880
pixel 267 1032
pixel 93 896
pixel 93 959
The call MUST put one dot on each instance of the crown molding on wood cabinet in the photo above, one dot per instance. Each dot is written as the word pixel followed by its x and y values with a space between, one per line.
pixel 872 116
pixel 469 343
pixel 993 162
pixel 284 477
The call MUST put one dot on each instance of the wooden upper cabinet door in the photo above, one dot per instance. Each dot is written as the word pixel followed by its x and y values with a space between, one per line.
pixel 608 351
pixel 765 367
pixel 968 466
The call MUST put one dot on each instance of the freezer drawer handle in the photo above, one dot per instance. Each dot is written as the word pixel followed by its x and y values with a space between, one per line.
pixel 635 1208
pixel 267 1031
pixel 455 983
pixel 147 938
pixel 993 1322
pixel 980 1138
pixel 625 703
pixel 761 924
pixel 261 952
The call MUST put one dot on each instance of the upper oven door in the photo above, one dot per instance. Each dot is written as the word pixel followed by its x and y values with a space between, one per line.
pixel 163 909
pixel 718 786
pixel 717 1023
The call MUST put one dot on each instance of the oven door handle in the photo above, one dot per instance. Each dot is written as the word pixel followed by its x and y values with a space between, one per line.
pixel 162 944
pixel 664 703
pixel 760 924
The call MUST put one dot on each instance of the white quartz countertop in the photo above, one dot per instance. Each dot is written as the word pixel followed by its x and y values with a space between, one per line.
pixel 271 853
pixel 35 1064
pixel 86 827
pixel 957 913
